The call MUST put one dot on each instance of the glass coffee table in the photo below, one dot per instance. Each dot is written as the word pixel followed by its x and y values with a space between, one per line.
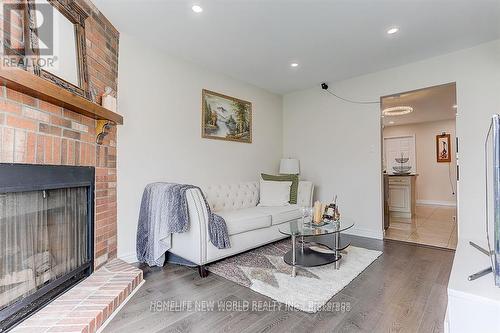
pixel 323 243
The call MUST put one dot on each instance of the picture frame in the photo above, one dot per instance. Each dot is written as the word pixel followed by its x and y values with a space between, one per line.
pixel 225 118
pixel 443 148
pixel 76 15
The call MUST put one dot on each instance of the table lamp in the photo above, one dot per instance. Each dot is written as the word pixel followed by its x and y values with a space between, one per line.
pixel 289 166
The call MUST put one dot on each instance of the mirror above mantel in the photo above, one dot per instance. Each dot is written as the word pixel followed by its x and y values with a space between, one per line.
pixel 56 39
pixel 67 85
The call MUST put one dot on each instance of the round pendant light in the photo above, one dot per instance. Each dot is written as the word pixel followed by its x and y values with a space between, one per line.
pixel 397 111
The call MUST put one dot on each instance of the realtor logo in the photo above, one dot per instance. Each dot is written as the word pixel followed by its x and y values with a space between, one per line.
pixel 37 48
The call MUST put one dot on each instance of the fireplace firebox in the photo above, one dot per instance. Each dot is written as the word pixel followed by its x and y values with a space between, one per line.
pixel 46 235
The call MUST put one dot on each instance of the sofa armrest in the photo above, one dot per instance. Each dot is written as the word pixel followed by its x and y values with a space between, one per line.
pixel 305 195
pixel 192 244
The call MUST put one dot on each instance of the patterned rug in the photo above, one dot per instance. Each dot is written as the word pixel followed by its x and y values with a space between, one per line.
pixel 264 271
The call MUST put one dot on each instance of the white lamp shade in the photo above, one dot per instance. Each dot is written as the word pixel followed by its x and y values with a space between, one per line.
pixel 289 166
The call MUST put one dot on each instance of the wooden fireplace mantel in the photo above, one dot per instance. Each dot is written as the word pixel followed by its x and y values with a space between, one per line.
pixel 37 87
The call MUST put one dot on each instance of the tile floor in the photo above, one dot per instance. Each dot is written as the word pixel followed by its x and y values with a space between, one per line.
pixel 431 225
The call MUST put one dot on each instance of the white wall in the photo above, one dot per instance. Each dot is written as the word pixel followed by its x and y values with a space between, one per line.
pixel 433 180
pixel 339 143
pixel 160 100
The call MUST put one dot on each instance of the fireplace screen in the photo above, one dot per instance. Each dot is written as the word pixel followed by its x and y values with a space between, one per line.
pixel 46 235
pixel 43 236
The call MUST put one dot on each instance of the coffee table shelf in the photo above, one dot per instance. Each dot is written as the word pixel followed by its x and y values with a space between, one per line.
pixel 321 236
pixel 308 257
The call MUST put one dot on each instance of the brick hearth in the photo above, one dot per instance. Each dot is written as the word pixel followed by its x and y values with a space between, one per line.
pixel 87 306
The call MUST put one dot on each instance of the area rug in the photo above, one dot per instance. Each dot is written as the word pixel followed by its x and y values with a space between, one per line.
pixel 264 271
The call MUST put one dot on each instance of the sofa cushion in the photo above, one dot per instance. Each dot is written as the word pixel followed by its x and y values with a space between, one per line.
pixel 282 214
pixel 246 219
pixel 280 178
pixel 274 194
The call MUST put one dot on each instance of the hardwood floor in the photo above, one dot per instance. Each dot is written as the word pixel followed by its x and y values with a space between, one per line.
pixel 402 291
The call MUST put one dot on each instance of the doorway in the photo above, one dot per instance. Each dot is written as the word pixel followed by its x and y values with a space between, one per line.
pixel 419 166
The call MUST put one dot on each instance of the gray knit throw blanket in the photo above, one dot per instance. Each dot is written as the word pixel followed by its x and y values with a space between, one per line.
pixel 164 211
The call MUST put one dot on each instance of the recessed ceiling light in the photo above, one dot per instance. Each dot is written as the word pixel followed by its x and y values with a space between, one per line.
pixel 397 111
pixel 197 8
pixel 392 31
pixel 294 64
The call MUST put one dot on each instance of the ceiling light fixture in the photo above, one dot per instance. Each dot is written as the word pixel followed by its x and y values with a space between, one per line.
pixel 294 64
pixel 455 106
pixel 392 31
pixel 197 9
pixel 397 111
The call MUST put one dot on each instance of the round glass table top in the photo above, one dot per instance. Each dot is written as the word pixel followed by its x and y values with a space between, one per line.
pixel 299 228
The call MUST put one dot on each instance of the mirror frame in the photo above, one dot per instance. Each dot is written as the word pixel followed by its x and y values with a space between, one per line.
pixel 76 15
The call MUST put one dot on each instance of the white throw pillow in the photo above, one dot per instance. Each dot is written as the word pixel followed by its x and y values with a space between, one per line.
pixel 274 193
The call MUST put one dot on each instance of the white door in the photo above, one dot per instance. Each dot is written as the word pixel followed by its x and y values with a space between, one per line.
pixel 395 147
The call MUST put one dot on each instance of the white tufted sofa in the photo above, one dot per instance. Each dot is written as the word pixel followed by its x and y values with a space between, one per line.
pixel 249 226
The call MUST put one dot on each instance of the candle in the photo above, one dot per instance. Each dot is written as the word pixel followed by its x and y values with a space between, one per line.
pixel 317 212
pixel 108 100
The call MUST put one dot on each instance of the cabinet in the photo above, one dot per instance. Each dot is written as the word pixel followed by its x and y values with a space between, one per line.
pixel 402 196
pixel 473 306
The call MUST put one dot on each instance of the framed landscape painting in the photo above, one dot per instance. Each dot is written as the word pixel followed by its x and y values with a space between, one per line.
pixel 226 118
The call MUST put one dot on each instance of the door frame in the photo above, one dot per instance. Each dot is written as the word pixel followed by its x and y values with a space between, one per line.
pixel 382 152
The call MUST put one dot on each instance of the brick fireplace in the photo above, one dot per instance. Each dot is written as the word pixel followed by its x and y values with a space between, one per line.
pixel 36 132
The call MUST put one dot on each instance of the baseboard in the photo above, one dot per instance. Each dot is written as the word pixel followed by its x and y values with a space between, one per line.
pixel 110 318
pixel 369 233
pixel 437 203
pixel 129 258
pixel 400 215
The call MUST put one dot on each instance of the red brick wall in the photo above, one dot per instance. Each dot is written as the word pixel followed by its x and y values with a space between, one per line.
pixel 36 132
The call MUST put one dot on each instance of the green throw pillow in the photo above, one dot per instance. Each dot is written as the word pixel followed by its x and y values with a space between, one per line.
pixel 294 189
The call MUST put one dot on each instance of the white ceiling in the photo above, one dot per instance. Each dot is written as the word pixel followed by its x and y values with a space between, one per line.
pixel 256 40
pixel 429 104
